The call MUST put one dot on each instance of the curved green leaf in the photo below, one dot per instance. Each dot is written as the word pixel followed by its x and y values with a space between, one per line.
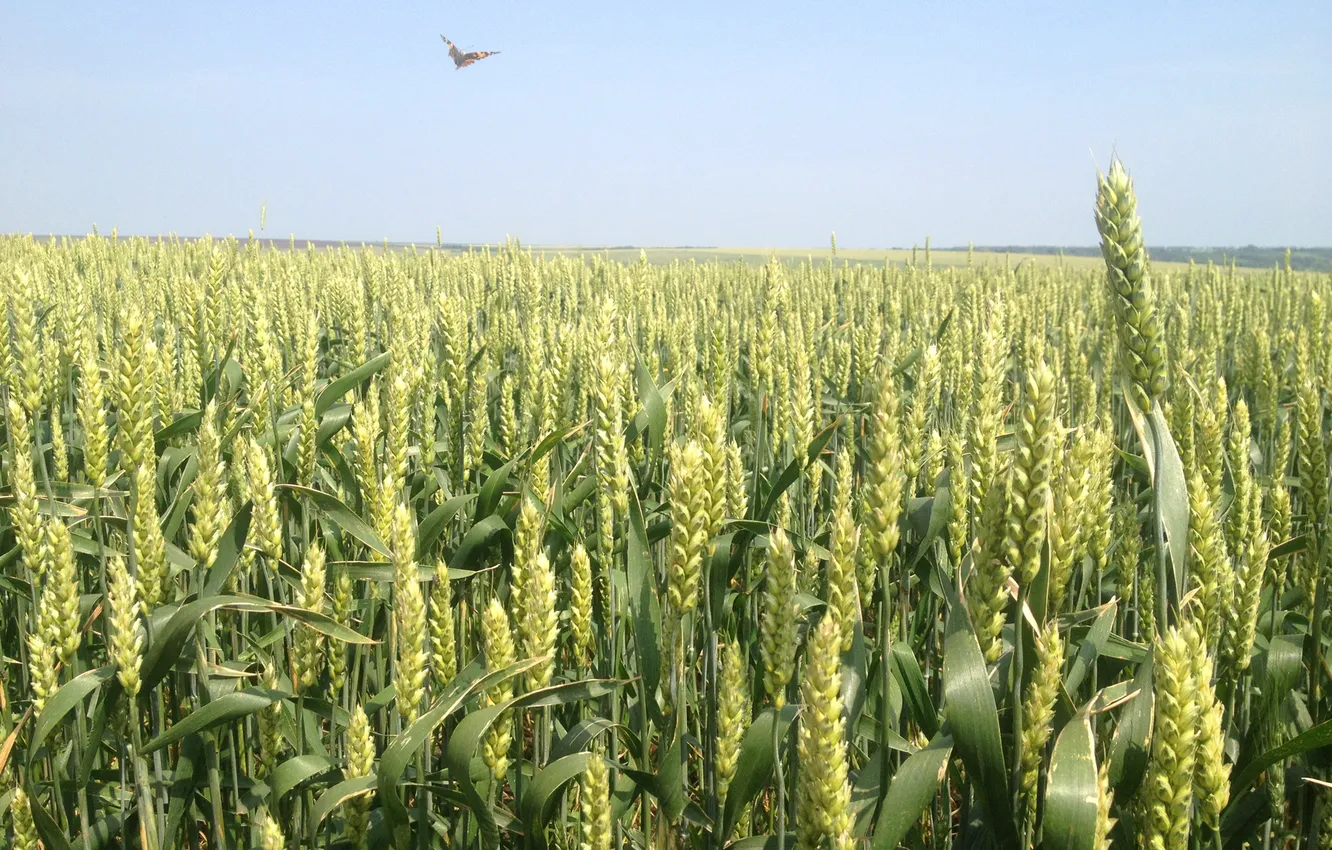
pixel 907 361
pixel 1293 546
pixel 1090 649
pixel 53 837
pixel 338 388
pixel 337 716
pixel 229 548
pixel 166 642
pixel 654 409
pixel 803 543
pixel 337 464
pixel 185 423
pixel 763 842
pixel 1282 664
pixel 101 832
pixel 970 709
pixel 341 515
pixel 551 440
pixel 65 700
pixel 332 422
pixel 940 508
pixel 409 742
pixel 478 540
pixel 322 623
pixel 296 771
pixel 796 467
pixel 463 744
pixel 577 739
pixel 1172 491
pixel 1169 488
pixel 437 520
pixel 855 672
pixel 224 709
pixel 717 573
pixel 668 784
pixel 185 778
pixel 755 766
pixel 1130 747
pixel 1072 790
pixel 906 670
pixel 1242 822
pixel 587 485
pixel 339 794
pixel 106 706
pixel 1314 738
pixel 566 693
pixel 943 326
pixel 493 490
pixel 470 732
pixel 540 796
pixel 643 603
pixel 914 786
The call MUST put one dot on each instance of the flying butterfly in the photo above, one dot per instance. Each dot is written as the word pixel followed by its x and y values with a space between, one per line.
pixel 462 60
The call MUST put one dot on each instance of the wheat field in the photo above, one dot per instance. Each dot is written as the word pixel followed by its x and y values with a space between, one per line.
pixel 358 548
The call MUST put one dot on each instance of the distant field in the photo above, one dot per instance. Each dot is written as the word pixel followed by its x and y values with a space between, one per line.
pixel 1082 257
pixel 1078 257
pixel 896 256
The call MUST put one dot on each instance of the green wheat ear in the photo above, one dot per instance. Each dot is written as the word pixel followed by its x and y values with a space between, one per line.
pixel 127 635
pixel 443 640
pixel 823 794
pixel 987 587
pixel 271 741
pixel 691 500
pixel 580 607
pixel 1038 710
pixel 840 574
pixel 886 481
pixel 1141 341
pixel 91 407
pixel 1030 494
pixel 270 832
pixel 210 508
pixel 1211 781
pixel 596 794
pixel 539 628
pixel 360 762
pixel 25 829
pixel 732 714
pixel 409 618
pixel 777 624
pixel 308 655
pixel 1168 789
pixel 1209 566
pixel 1104 806
pixel 24 512
pixel 497 639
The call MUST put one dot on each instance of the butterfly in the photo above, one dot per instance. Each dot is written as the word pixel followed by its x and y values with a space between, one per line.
pixel 462 60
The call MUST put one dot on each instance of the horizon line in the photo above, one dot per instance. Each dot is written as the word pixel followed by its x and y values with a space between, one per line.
pixel 997 247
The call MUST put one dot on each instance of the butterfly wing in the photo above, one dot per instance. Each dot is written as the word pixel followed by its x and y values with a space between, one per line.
pixel 469 58
pixel 458 57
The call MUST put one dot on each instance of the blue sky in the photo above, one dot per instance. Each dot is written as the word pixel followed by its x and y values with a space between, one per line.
pixel 742 124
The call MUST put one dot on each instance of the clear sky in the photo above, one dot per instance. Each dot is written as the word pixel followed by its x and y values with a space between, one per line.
pixel 683 123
